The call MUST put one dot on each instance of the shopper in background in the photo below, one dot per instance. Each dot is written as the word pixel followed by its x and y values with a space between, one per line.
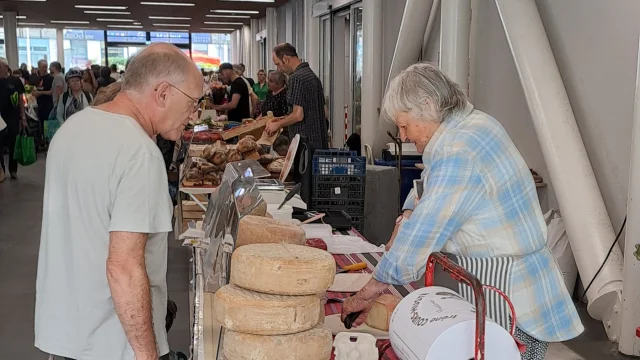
pixel 89 82
pixel 242 71
pixel 59 82
pixel 75 99
pixel 115 75
pixel 238 107
pixel 17 73
pixel 96 70
pixel 107 93
pixel 305 98
pixel 12 111
pixel 105 78
pixel 261 88
pixel 43 83
pixel 276 100
pixel 101 288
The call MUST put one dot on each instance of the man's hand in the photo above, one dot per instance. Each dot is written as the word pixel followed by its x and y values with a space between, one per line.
pixel 406 214
pixel 362 301
pixel 272 128
pixel 23 123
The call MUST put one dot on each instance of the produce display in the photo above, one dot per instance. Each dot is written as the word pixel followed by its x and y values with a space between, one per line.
pixel 263 230
pixel 202 136
pixel 207 169
pixel 299 270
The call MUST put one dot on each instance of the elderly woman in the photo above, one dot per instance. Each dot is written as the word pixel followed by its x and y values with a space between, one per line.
pixel 276 100
pixel 479 202
pixel 75 98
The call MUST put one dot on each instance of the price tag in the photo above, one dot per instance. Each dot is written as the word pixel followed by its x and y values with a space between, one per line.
pixel 337 191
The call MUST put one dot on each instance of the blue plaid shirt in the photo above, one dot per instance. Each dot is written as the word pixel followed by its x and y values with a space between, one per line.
pixel 480 201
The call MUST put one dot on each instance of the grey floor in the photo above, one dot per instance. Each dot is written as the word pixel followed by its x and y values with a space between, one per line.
pixel 20 217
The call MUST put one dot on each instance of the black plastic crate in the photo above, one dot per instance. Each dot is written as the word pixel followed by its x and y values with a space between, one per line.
pixel 338 162
pixel 350 206
pixel 338 187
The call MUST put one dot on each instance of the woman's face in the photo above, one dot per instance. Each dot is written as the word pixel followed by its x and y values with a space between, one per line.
pixel 262 77
pixel 415 131
pixel 75 84
pixel 273 86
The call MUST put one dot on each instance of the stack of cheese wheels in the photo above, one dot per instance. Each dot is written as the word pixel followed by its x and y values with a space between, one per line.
pixel 273 307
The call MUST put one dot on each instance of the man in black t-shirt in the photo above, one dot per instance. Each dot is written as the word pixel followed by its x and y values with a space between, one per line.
pixel 12 111
pixel 238 106
pixel 43 94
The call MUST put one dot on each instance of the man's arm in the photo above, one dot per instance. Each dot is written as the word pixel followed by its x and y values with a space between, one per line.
pixel 235 99
pixel 296 116
pixel 21 103
pixel 131 293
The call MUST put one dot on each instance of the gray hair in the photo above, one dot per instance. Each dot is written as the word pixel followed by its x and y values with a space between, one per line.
pixel 238 69
pixel 155 64
pixel 424 92
pixel 278 78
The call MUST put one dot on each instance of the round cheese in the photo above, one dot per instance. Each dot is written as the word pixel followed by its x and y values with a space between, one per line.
pixel 251 312
pixel 314 344
pixel 263 230
pixel 283 269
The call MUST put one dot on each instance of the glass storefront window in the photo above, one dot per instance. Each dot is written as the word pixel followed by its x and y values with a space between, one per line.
pixel 210 50
pixel 83 48
pixel 2 52
pixel 357 71
pixel 36 44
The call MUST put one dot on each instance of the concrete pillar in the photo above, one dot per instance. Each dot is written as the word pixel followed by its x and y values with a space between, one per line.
pixel 272 35
pixel 246 50
pixel 583 210
pixel 290 23
pixel 235 47
pixel 312 38
pixel 11 38
pixel 454 41
pixel 372 68
pixel 60 46
pixel 255 49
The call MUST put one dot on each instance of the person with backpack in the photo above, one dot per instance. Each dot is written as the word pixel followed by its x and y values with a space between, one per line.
pixel 75 98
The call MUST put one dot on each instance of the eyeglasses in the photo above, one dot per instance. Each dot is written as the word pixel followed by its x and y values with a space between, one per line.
pixel 196 102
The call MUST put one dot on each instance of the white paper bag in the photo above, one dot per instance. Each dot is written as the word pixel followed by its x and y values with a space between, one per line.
pixel 3 124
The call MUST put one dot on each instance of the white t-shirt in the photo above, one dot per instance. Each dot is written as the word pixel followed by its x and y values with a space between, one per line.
pixel 104 173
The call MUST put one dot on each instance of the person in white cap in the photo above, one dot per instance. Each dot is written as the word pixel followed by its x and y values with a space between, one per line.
pixel 12 112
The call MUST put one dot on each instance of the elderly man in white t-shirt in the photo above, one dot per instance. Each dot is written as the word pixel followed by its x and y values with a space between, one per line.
pixel 101 289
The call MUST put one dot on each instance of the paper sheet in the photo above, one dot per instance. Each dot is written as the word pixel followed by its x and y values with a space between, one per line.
pixel 346 244
pixel 333 323
pixel 349 282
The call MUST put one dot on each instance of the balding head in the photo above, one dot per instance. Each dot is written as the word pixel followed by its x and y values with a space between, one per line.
pixel 158 63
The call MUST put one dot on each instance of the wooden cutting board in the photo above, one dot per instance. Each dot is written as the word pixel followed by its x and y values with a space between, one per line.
pixel 333 323
pixel 349 282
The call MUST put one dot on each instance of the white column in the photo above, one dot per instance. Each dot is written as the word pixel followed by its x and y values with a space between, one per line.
pixel 433 15
pixel 588 224
pixel 11 38
pixel 454 41
pixel 272 35
pixel 407 52
pixel 372 68
pixel 234 47
pixel 60 46
pixel 629 343
pixel 246 50
pixel 290 23
pixel 255 48
pixel 312 38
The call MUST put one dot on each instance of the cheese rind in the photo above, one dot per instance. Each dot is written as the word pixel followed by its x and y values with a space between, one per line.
pixel 314 344
pixel 255 313
pixel 381 311
pixel 282 269
pixel 262 230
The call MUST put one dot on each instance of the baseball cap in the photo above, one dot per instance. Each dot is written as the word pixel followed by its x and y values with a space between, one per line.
pixel 225 66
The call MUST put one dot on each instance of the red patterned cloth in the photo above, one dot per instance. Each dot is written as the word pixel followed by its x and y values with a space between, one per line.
pixel 371 259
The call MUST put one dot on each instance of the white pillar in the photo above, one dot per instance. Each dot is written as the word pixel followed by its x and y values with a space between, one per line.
pixel 407 52
pixel 454 41
pixel 246 50
pixel 588 224
pixel 272 35
pixel 372 68
pixel 255 49
pixel 312 37
pixel 629 343
pixel 11 38
pixel 433 15
pixel 60 46
pixel 290 23
pixel 234 47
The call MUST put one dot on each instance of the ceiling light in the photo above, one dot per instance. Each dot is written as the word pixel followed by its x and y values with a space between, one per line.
pixel 107 12
pixel 236 11
pixel 17 17
pixel 169 18
pixel 185 25
pixel 162 3
pixel 78 27
pixel 68 22
pixel 101 7
pixel 260 1
pixel 137 23
pixel 30 24
pixel 229 16
pixel 115 20
pixel 222 23
pixel 171 30
pixel 218 29
pixel 125 26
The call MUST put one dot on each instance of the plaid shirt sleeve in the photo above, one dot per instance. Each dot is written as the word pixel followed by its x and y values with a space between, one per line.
pixel 453 191
pixel 410 202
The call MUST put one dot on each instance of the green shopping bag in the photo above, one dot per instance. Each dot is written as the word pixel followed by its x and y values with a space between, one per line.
pixel 25 150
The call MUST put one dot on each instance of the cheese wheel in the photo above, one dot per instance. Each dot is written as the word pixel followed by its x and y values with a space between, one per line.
pixel 381 311
pixel 282 269
pixel 261 230
pixel 251 312
pixel 314 344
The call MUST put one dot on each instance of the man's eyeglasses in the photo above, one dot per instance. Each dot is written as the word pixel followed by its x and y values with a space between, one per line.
pixel 196 102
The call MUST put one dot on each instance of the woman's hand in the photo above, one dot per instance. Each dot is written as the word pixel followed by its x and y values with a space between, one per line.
pixel 406 215
pixel 362 301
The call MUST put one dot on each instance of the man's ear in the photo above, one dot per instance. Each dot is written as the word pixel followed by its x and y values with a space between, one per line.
pixel 162 94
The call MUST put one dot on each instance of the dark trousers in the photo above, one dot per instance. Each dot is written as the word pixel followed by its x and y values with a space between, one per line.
pixel 8 139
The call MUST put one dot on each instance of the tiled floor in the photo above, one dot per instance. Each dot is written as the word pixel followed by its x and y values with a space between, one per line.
pixel 20 217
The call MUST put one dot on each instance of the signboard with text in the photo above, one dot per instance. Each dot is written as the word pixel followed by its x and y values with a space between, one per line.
pixel 139 37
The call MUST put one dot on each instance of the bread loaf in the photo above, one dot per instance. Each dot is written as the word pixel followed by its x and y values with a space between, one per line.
pixel 282 269
pixel 262 230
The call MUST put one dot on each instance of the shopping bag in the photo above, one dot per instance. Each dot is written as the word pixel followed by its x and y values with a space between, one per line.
pixel 3 124
pixel 25 150
pixel 50 129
